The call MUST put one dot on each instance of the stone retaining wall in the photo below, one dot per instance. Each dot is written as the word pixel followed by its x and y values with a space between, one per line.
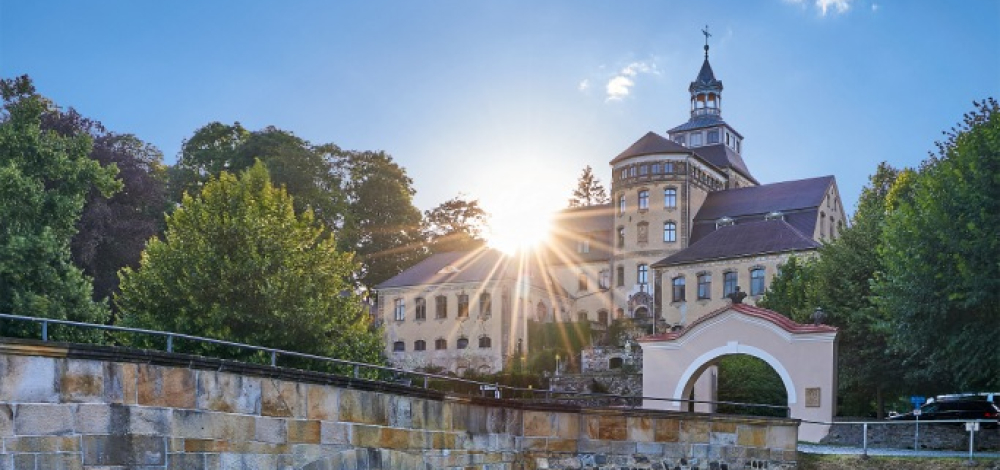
pixel 102 408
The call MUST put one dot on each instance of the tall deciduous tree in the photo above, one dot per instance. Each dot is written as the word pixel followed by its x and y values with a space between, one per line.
pixel 44 181
pixel 381 224
pixel 940 250
pixel 113 230
pixel 238 263
pixel 589 190
pixel 457 224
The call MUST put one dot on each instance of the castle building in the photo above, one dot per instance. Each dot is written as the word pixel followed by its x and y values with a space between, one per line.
pixel 688 225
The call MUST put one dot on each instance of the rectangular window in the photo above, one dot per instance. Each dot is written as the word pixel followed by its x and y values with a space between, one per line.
pixel 729 280
pixel 440 343
pixel 624 173
pixel 679 139
pixel 485 305
pixel 631 171
pixel 581 282
pixel 655 169
pixel 419 345
pixel 440 307
pixel 757 281
pixel 621 276
pixel 605 279
pixel 621 237
pixel 399 310
pixel 643 200
pixel 463 306
pixel 583 246
pixel 420 312
pixel 621 204
pixel 642 275
pixel 643 170
pixel 670 198
pixel 696 139
pixel 678 289
pixel 668 167
pixel 669 232
pixel 398 346
pixel 705 286
pixel 713 137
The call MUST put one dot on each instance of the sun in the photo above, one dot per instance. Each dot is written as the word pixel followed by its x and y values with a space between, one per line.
pixel 519 230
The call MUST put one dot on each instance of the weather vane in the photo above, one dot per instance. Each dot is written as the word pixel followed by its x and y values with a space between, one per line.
pixel 707 35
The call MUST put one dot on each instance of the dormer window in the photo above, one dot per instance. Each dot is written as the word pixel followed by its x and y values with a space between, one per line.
pixel 724 222
pixel 679 138
pixel 713 137
pixel 696 139
pixel 776 215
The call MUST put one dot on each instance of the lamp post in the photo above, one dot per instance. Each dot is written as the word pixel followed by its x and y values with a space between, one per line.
pixel 557 363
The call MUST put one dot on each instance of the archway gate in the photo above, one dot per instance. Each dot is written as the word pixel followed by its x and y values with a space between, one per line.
pixel 804 356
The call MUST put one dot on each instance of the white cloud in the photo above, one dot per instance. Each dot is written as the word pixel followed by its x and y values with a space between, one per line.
pixel 841 6
pixel 619 86
pixel 584 85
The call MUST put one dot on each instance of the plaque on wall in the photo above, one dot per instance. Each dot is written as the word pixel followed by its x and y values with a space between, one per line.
pixel 812 397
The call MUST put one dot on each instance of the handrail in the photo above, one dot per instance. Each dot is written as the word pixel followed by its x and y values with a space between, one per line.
pixel 549 395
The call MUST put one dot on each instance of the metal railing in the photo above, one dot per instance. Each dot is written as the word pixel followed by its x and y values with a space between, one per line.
pixel 401 376
pixel 971 426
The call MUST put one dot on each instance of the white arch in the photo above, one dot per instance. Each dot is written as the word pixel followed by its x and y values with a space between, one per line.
pixel 734 347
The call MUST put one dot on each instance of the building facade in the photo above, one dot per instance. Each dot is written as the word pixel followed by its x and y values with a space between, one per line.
pixel 688 225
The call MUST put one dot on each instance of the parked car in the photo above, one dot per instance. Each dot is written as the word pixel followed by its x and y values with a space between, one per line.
pixel 956 409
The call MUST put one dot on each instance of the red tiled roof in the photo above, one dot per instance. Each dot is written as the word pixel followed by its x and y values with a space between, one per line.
pixel 770 315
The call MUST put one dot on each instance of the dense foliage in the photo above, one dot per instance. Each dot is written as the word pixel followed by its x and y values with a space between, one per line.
pixel 45 178
pixel 238 263
pixel 457 224
pixel 747 379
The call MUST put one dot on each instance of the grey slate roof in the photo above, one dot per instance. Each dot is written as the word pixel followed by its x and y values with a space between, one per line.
pixel 706 78
pixel 724 157
pixel 784 196
pixel 480 265
pixel 650 144
pixel 803 220
pixel 701 122
pixel 571 225
pixel 754 238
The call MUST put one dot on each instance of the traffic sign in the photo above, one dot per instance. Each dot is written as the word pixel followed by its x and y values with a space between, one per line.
pixel 916 412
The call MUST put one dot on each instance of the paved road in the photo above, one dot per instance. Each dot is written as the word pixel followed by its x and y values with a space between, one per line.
pixel 841 450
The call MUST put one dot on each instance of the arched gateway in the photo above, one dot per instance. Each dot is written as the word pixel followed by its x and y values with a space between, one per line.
pixel 804 356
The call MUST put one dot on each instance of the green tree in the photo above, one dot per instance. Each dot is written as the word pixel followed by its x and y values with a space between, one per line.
pixel 940 249
pixel 381 224
pixel 237 263
pixel 790 291
pixel 589 190
pixel 44 181
pixel 747 379
pixel 457 224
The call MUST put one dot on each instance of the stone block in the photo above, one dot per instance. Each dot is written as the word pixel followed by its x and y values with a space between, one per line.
pixel 666 430
pixel 334 433
pixel 532 444
pixel 192 424
pixel 323 402
pixel 282 399
pixel 186 461
pixel 39 444
pixel 623 448
pixel 612 428
pixel 567 425
pixel 206 445
pixel 233 427
pixel 93 418
pixel 506 421
pixel 28 379
pixel 395 438
pixel 114 450
pixel 474 419
pixel 782 437
pixel 723 426
pixel 561 445
pixel 169 387
pixel 6 420
pixel 649 448
pixel 722 438
pixel 229 393
pixel 401 411
pixel 24 461
pixel 694 431
pixel 6 462
pixel 144 420
pixel 272 430
pixel 43 419
pixel 366 436
pixel 538 424
pixel 303 431
pixel 71 461
pixel 250 461
pixel 641 429
pixel 751 435
pixel 81 381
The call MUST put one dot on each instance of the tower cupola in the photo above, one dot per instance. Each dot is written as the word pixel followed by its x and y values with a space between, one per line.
pixel 706 90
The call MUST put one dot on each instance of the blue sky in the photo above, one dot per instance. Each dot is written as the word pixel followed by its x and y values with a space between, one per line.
pixel 508 101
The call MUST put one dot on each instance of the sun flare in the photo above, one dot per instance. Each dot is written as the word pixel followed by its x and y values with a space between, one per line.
pixel 518 230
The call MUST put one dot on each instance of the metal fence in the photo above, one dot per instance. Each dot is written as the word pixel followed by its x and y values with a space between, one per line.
pixel 396 376
pixel 971 426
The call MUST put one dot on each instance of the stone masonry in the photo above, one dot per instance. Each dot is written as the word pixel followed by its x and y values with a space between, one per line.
pixel 75 407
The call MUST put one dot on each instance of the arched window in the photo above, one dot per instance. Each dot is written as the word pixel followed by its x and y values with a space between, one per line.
pixel 440 343
pixel 641 312
pixel 704 286
pixel 678 289
pixel 398 346
pixel 670 198
pixel 485 342
pixel 463 306
pixel 669 232
pixel 485 305
pixel 729 282
pixel 620 313
pixel 822 224
pixel 757 286
pixel 463 343
pixel 441 307
pixel 419 345
pixel 602 317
